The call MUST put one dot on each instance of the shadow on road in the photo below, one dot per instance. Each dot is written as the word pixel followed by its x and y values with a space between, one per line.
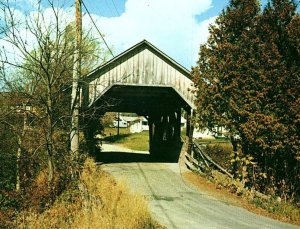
pixel 122 157
pixel 170 156
pixel 126 157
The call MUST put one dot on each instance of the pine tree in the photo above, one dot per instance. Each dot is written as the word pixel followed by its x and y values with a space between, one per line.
pixel 278 29
pixel 217 72
pixel 248 81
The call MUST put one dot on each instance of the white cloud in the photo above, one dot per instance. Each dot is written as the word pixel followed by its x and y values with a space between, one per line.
pixel 170 25
pixel 46 21
pixel 7 50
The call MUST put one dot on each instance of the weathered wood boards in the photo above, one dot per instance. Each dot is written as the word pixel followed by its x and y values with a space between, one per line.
pixel 142 65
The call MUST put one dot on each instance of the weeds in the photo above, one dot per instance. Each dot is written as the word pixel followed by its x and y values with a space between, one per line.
pixel 284 210
pixel 99 202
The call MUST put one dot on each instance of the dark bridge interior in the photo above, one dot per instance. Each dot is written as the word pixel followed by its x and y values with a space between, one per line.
pixel 162 107
pixel 143 100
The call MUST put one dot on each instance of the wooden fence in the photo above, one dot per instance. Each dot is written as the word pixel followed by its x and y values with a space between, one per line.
pixel 199 161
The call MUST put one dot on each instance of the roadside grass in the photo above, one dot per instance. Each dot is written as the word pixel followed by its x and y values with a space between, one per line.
pixel 135 141
pixel 226 192
pixel 111 131
pixel 213 140
pixel 99 202
pixel 234 191
pixel 287 211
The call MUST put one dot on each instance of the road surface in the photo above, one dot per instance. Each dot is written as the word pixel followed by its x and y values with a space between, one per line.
pixel 173 203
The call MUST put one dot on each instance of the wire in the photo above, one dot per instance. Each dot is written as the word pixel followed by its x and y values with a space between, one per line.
pixel 108 6
pixel 97 29
pixel 115 7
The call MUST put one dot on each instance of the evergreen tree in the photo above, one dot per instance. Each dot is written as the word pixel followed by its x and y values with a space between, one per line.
pixel 248 79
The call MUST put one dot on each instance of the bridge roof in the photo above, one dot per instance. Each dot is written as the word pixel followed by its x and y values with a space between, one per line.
pixel 143 44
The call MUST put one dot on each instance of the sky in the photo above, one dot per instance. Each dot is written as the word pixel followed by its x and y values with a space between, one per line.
pixel 177 27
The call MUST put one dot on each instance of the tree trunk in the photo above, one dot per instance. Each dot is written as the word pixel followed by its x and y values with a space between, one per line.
pixel 19 151
pixel 49 135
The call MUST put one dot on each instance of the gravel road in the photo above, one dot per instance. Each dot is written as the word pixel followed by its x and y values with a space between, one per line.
pixel 173 202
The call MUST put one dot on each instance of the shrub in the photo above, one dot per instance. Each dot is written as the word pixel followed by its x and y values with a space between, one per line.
pixel 220 153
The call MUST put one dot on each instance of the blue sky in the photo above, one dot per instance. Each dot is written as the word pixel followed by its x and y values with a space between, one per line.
pixel 177 27
pixel 181 43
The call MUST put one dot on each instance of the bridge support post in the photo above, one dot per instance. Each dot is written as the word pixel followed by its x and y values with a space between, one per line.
pixel 164 133
pixel 177 128
pixel 189 130
pixel 151 131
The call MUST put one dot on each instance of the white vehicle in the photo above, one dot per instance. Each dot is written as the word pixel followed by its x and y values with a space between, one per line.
pixel 122 123
pixel 145 125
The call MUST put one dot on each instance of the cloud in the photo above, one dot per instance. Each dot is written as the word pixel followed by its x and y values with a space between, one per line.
pixel 25 38
pixel 170 25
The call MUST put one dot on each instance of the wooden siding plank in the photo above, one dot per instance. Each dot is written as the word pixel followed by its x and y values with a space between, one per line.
pixel 115 71
pixel 147 67
pixel 142 67
pixel 130 69
pixel 158 70
pixel 136 67
pixel 121 72
pixel 166 66
pixel 153 66
pixel 173 77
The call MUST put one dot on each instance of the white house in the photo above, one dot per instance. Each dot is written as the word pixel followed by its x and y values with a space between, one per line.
pixel 139 125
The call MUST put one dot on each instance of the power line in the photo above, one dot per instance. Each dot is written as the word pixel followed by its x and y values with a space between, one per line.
pixel 97 29
pixel 108 6
pixel 115 7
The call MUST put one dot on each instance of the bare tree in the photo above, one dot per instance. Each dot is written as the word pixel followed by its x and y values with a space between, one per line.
pixel 37 61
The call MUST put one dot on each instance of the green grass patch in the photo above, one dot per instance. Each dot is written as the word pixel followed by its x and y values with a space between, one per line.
pixel 220 153
pixel 219 150
pixel 110 131
pixel 214 141
pixel 136 141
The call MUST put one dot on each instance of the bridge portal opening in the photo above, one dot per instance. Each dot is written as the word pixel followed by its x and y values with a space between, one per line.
pixel 126 130
pixel 160 108
pixel 125 138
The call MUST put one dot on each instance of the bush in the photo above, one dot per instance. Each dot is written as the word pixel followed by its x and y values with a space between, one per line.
pixel 233 185
pixel 9 203
pixel 220 153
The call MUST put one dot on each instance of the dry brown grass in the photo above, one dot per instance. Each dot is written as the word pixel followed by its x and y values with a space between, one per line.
pixel 226 195
pixel 99 202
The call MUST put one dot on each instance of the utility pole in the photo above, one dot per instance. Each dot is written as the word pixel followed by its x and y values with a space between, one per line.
pixel 74 135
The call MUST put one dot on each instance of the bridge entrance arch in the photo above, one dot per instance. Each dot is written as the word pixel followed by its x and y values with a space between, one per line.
pixel 146 81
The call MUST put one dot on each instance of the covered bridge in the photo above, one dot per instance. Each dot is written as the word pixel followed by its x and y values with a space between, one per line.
pixel 146 81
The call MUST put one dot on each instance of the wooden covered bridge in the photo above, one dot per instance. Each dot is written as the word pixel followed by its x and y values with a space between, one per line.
pixel 146 81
